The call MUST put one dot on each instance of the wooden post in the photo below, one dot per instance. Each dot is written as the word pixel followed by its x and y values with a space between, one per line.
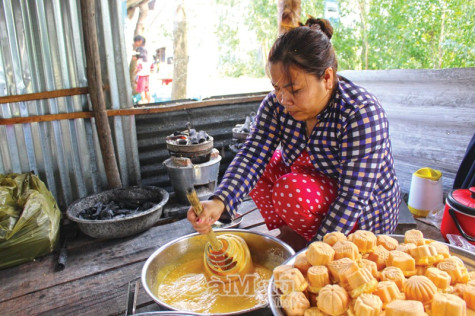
pixel 288 15
pixel 94 78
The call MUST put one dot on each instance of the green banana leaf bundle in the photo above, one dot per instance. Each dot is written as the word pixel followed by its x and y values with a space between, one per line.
pixel 29 219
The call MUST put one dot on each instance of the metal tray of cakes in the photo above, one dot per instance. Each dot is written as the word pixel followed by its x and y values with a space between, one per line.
pixel 273 294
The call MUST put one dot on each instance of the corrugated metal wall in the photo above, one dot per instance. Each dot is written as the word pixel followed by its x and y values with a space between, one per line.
pixel 217 121
pixel 42 50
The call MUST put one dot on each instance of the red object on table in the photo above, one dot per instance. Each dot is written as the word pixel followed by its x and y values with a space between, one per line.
pixel 459 214
pixel 166 81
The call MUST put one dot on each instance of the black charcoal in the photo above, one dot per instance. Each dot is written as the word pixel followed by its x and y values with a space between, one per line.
pixel 116 209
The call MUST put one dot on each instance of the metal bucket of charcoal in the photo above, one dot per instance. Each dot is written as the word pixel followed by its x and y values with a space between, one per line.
pixel 118 212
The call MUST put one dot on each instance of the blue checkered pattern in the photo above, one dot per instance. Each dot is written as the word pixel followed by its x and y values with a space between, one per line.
pixel 349 143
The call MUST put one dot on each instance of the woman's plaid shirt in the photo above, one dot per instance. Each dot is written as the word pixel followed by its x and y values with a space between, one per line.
pixel 350 143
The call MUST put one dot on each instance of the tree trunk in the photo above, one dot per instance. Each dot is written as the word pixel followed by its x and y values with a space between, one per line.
pixel 94 79
pixel 132 67
pixel 440 53
pixel 364 31
pixel 288 15
pixel 180 54
pixel 265 53
pixel 143 12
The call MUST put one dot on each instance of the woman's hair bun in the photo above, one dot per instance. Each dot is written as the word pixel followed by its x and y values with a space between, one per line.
pixel 320 24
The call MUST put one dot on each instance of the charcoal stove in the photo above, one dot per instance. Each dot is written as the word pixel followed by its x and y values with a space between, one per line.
pixel 241 131
pixel 193 163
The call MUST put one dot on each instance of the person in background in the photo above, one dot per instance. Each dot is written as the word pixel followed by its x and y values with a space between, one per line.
pixel 318 157
pixel 142 70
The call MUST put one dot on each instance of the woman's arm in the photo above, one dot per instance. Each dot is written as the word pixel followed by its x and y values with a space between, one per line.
pixel 363 144
pixel 250 162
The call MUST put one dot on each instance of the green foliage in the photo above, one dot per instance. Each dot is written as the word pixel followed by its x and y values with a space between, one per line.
pixel 260 20
pixel 234 66
pixel 400 34
pixel 312 8
pixel 413 34
pixel 236 60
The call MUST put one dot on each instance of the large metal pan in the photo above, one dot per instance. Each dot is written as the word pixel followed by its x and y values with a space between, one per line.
pixel 273 295
pixel 265 250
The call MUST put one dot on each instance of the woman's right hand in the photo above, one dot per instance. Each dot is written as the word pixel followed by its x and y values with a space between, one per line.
pixel 212 211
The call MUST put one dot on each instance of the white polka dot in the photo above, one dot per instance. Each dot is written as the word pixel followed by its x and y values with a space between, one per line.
pixel 294 180
pixel 308 190
pixel 326 198
pixel 318 193
pixel 317 201
pixel 307 200
pixel 297 206
pixel 300 199
pixel 282 194
pixel 313 180
pixel 319 206
pixel 288 204
pixel 284 210
pixel 298 190
pixel 277 185
pixel 304 181
pixel 331 191
pixel 323 181
pixel 321 187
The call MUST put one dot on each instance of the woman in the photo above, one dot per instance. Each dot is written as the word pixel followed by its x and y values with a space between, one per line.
pixel 334 169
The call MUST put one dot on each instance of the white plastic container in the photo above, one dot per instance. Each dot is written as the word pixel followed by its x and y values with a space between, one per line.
pixel 426 193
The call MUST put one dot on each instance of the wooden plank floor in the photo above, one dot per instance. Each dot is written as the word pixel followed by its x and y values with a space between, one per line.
pixel 98 272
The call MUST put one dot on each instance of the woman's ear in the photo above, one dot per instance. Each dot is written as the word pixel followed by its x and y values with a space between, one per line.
pixel 328 77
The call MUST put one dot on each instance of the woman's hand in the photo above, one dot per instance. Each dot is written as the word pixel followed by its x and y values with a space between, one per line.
pixel 212 210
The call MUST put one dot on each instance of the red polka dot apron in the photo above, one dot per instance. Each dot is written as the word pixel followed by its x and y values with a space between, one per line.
pixel 297 196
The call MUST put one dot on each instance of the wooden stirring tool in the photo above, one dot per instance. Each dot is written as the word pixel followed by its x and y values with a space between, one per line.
pixel 216 245
pixel 226 256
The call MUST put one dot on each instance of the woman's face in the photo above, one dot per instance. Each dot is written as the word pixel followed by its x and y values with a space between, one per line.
pixel 303 95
